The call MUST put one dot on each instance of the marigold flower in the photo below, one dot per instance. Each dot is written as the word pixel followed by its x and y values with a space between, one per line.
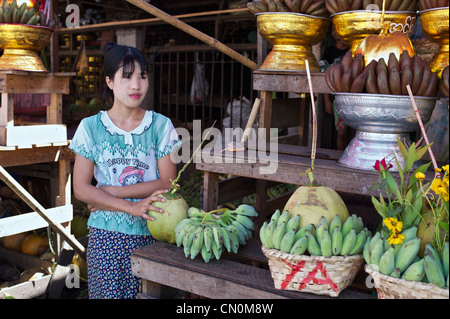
pixel 445 168
pixel 393 224
pixel 420 176
pixel 396 239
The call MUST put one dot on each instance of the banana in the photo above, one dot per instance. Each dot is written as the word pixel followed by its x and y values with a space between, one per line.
pixel 346 61
pixel 296 6
pixel 226 239
pixel 246 210
pixel 7 14
pixel 282 8
pixel 26 15
pixel 2 19
pixel 366 3
pixel 356 5
pixel 378 3
pixel 415 272
pixel 293 223
pixel 335 222
pixel 357 223
pixel 269 234
pixel 313 245
pixel 299 246
pixel 181 224
pixel 216 250
pixel 359 83
pixel 376 252
pixel 328 77
pixel 195 212
pixel 22 8
pixel 275 216
pixel 357 66
pixel 382 83
pixel 348 242
pixel 217 235
pixel 387 262
pixel 444 83
pixel 240 232
pixel 426 76
pixel 13 5
pixel 444 257
pixel 326 244
pixel 347 81
pixel 233 239
pixel 245 221
pixel 315 7
pixel 387 4
pixel 197 242
pixel 15 15
pixel 301 232
pixel 331 6
pixel 432 86
pixel 336 241
pixel 278 234
pixel 433 272
pixel 337 77
pixel 429 250
pixel 374 240
pixel 393 62
pixel 407 253
pixel 284 217
pixel 257 6
pixel 406 78
pixel 320 228
pixel 359 243
pixel 405 59
pixel 272 7
pixel 405 4
pixel 262 233
pixel 206 255
pixel 33 20
pixel 5 5
pixel 343 5
pixel 347 226
pixel 396 273
pixel 208 237
pixel 366 251
pixel 371 83
pixel 188 238
pixel 304 5
pixel 394 82
pixel 287 241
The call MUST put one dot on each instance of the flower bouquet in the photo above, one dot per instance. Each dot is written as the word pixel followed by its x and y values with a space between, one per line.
pixel 409 256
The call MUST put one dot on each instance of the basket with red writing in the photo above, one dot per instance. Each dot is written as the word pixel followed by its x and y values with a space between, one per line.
pixel 314 274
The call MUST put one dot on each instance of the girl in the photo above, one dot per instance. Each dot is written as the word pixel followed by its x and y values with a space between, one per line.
pixel 127 149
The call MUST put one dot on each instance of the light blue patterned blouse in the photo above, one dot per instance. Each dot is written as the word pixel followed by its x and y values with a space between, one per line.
pixel 124 158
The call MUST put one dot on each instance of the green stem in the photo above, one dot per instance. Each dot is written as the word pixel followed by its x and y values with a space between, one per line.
pixel 175 187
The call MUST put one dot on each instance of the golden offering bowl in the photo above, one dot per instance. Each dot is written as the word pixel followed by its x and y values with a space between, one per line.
pixel 434 24
pixel 21 44
pixel 355 26
pixel 293 35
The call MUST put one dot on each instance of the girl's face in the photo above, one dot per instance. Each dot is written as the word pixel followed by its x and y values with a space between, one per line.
pixel 129 88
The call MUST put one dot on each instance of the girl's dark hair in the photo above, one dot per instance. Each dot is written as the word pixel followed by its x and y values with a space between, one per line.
pixel 120 56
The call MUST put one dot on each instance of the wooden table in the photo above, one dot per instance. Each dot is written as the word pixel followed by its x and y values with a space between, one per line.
pixel 241 276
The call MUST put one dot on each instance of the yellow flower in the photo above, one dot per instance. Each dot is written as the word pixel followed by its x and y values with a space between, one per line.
pixel 393 224
pixel 396 238
pixel 420 176
pixel 445 168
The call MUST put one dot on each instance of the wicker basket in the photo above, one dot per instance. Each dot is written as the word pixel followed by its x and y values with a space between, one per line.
pixel 395 288
pixel 315 274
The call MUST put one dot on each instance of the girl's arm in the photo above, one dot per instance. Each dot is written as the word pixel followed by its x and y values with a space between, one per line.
pixel 167 173
pixel 83 172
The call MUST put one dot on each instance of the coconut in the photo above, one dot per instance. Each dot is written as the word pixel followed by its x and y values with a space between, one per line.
pixel 163 226
pixel 313 202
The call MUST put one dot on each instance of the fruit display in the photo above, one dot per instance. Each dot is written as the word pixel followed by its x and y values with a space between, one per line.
pixel 431 4
pixel 10 12
pixel 309 7
pixel 327 239
pixel 443 84
pixel 212 233
pixel 402 261
pixel 383 77
pixel 336 6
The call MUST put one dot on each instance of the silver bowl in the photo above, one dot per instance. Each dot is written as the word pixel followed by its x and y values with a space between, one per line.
pixel 380 120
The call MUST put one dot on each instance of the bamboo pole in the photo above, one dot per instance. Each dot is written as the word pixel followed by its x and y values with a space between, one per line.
pixel 34 204
pixel 195 33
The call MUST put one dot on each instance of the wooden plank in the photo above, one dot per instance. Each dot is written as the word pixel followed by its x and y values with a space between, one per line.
pixel 211 191
pixel 289 81
pixel 288 168
pixel 33 83
pixel 225 279
pixel 29 221
pixel 14 157
pixel 27 290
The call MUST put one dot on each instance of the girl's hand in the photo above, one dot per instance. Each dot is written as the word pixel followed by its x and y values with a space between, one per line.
pixel 140 208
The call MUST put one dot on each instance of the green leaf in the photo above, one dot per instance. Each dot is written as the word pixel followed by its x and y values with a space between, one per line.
pixel 422 169
pixel 420 151
pixel 410 159
pixel 402 148
pixel 444 226
pixel 379 207
pixel 392 185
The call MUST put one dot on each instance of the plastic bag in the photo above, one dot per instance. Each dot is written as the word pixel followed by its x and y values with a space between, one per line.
pixel 200 85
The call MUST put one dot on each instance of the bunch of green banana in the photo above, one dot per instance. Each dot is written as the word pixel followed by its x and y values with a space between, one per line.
pixel 283 232
pixel 212 233
pixel 401 260
pixel 12 13
pixel 310 7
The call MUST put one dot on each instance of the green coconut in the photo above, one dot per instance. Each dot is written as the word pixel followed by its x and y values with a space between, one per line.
pixel 313 202
pixel 175 209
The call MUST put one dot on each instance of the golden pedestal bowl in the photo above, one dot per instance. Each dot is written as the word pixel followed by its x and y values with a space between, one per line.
pixel 21 44
pixel 355 26
pixel 293 35
pixel 434 24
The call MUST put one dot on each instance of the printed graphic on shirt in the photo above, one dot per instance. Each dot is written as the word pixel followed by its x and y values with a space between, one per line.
pixel 131 175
